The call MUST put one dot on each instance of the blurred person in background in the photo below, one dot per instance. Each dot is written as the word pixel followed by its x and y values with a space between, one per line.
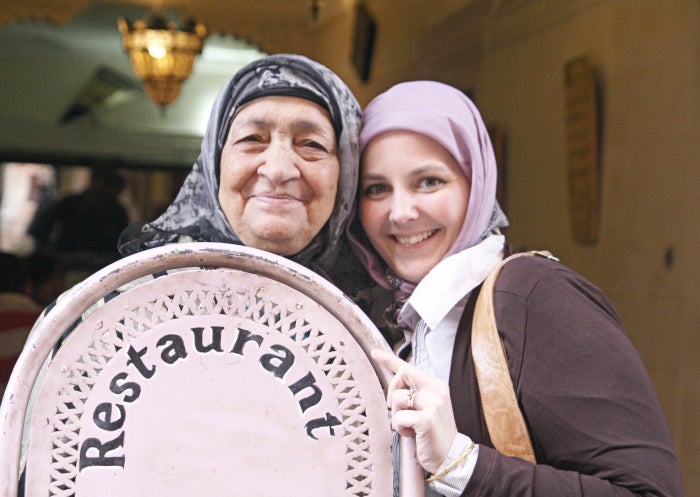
pixel 86 223
pixel 18 312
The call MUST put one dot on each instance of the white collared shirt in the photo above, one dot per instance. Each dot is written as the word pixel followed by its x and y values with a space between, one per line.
pixel 433 312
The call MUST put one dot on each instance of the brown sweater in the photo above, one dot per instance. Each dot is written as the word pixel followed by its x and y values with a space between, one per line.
pixel 593 416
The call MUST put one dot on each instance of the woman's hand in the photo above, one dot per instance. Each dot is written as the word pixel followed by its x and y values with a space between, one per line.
pixel 425 414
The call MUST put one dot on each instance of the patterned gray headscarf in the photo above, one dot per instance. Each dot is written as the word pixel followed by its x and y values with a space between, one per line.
pixel 196 214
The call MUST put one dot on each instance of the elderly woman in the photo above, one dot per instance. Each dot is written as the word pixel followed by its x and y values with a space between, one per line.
pixel 429 229
pixel 277 168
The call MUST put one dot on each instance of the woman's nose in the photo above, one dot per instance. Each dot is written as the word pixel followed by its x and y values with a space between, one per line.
pixel 404 207
pixel 279 163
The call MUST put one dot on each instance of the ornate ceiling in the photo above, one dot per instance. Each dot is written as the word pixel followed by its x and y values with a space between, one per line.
pixel 69 96
pixel 68 93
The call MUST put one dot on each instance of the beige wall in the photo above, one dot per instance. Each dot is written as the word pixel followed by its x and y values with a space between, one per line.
pixel 648 55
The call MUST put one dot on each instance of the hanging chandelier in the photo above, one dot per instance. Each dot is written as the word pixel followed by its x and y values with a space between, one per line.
pixel 162 53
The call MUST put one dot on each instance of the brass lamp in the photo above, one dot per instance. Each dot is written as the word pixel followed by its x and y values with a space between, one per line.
pixel 162 53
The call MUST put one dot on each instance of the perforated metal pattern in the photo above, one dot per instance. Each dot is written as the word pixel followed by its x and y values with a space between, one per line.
pixel 298 338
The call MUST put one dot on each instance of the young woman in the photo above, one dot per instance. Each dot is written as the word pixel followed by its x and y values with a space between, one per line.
pixel 429 230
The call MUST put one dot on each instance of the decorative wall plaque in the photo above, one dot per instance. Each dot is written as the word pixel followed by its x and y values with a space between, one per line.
pixel 583 149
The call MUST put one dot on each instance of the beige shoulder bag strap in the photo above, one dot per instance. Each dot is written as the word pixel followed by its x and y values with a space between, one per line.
pixel 504 420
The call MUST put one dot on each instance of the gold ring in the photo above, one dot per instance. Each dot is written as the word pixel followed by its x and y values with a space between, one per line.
pixel 411 394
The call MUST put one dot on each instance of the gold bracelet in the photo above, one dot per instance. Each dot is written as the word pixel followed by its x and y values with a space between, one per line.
pixel 452 466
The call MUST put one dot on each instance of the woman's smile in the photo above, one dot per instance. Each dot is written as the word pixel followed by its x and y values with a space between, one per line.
pixel 414 239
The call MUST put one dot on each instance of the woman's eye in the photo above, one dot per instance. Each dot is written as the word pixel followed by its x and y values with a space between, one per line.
pixel 315 145
pixel 245 140
pixel 374 190
pixel 249 138
pixel 430 182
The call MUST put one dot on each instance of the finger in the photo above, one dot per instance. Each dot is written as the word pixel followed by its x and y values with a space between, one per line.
pixel 388 359
pixel 404 422
pixel 403 399
pixel 397 366
pixel 404 373
pixel 403 382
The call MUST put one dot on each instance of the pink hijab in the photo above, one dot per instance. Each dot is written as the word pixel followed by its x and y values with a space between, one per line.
pixel 446 115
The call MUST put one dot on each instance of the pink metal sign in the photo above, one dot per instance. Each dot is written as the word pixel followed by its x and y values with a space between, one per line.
pixel 211 380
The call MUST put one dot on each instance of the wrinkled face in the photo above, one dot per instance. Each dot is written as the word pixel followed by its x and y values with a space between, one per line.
pixel 279 173
pixel 413 201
